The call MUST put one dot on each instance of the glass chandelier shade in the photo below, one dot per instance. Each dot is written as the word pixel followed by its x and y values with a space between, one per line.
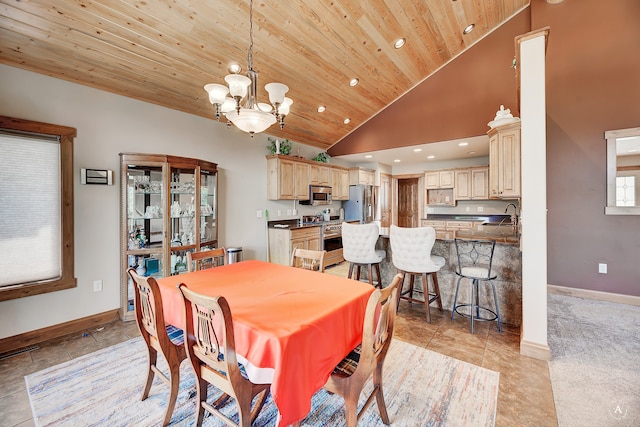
pixel 242 107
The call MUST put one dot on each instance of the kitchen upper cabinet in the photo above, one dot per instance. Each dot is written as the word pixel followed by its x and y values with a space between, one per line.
pixel 301 180
pixel 280 178
pixel 362 176
pixel 339 183
pixel 504 161
pixel 319 175
pixel 439 179
pixel 289 178
pixel 472 183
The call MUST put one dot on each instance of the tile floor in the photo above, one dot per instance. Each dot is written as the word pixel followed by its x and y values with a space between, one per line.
pixel 525 396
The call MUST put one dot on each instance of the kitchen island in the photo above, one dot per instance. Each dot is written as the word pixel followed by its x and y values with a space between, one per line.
pixel 507 264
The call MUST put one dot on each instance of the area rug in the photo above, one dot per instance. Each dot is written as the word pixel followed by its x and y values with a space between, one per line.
pixel 595 362
pixel 422 388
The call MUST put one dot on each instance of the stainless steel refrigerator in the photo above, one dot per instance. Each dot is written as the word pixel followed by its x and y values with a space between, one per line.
pixel 361 205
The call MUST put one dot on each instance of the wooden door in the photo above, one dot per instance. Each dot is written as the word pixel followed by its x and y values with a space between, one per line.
pixel 385 200
pixel 408 202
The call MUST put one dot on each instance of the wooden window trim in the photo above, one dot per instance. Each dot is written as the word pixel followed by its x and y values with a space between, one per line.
pixel 67 279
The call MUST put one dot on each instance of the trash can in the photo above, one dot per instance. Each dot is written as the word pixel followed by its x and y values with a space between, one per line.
pixel 234 255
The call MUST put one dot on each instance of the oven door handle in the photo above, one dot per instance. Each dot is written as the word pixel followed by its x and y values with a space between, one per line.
pixel 331 236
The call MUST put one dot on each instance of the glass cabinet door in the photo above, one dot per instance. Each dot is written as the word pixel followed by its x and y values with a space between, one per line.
pixel 208 209
pixel 182 223
pixel 143 209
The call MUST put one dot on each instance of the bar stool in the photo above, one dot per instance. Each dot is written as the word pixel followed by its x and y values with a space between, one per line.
pixel 359 249
pixel 411 254
pixel 475 259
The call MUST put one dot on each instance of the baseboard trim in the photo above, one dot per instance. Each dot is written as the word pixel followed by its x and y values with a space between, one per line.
pixel 597 295
pixel 30 338
pixel 535 350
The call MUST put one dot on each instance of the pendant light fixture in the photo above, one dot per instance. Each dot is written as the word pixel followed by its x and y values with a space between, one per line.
pixel 242 107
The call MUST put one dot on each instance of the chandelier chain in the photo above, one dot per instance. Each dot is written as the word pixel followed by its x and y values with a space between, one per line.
pixel 250 54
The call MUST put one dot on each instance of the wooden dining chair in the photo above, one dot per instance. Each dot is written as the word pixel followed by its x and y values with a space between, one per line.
pixel 210 347
pixel 206 259
pixel 158 337
pixel 349 377
pixel 308 259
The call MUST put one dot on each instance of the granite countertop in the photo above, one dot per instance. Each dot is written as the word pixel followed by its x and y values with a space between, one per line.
pixel 500 234
pixel 487 219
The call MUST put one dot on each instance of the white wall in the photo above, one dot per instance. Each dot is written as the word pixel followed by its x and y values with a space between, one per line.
pixel 107 125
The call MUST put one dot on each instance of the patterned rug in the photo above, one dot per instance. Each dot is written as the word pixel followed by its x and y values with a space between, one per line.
pixel 422 388
pixel 595 362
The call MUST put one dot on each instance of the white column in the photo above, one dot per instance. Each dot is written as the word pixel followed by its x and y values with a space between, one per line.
pixel 531 63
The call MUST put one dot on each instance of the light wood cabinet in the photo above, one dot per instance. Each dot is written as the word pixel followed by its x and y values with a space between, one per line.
pixel 446 230
pixel 168 207
pixel 339 183
pixel 301 181
pixel 472 183
pixel 504 161
pixel 287 179
pixel 319 175
pixel 283 240
pixel 362 176
pixel 439 179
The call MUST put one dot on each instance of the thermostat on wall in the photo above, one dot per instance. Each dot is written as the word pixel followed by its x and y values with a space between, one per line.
pixel 96 176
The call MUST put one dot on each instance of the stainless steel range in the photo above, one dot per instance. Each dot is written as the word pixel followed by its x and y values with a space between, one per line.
pixel 332 241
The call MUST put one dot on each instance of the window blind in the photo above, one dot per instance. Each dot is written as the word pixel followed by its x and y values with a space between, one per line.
pixel 30 211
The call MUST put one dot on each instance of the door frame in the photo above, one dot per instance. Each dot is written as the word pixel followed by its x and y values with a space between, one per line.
pixel 421 195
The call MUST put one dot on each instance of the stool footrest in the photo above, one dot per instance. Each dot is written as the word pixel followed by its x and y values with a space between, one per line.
pixel 432 298
pixel 475 317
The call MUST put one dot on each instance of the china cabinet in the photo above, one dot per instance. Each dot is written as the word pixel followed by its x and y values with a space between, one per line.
pixel 168 208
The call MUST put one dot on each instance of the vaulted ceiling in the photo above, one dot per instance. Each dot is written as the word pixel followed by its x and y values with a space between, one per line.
pixel 164 52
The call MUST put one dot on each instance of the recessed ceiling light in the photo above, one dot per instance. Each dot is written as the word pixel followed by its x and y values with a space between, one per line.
pixel 417 150
pixel 463 144
pixel 431 156
pixel 468 29
pixel 399 43
pixel 234 68
pixel 472 152
pixel 347 120
pixel 368 156
pixel 632 151
pixel 321 109
pixel 353 82
pixel 396 161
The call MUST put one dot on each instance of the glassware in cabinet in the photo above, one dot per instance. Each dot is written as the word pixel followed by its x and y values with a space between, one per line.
pixel 208 209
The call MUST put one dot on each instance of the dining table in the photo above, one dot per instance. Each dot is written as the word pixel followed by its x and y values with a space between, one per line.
pixel 292 326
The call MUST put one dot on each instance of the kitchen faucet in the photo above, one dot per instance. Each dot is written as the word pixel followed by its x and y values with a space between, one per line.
pixel 514 216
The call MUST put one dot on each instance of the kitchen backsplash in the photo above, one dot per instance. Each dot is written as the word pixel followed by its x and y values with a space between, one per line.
pixel 471 207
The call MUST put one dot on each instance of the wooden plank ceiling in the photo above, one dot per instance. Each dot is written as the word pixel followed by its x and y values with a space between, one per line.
pixel 164 52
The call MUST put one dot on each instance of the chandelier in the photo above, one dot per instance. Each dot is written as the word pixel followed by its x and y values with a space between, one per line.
pixel 242 107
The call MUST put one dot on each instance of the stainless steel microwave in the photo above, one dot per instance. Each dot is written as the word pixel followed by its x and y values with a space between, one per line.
pixel 318 195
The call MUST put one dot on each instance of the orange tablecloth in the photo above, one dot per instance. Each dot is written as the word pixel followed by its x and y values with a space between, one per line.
pixel 292 326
